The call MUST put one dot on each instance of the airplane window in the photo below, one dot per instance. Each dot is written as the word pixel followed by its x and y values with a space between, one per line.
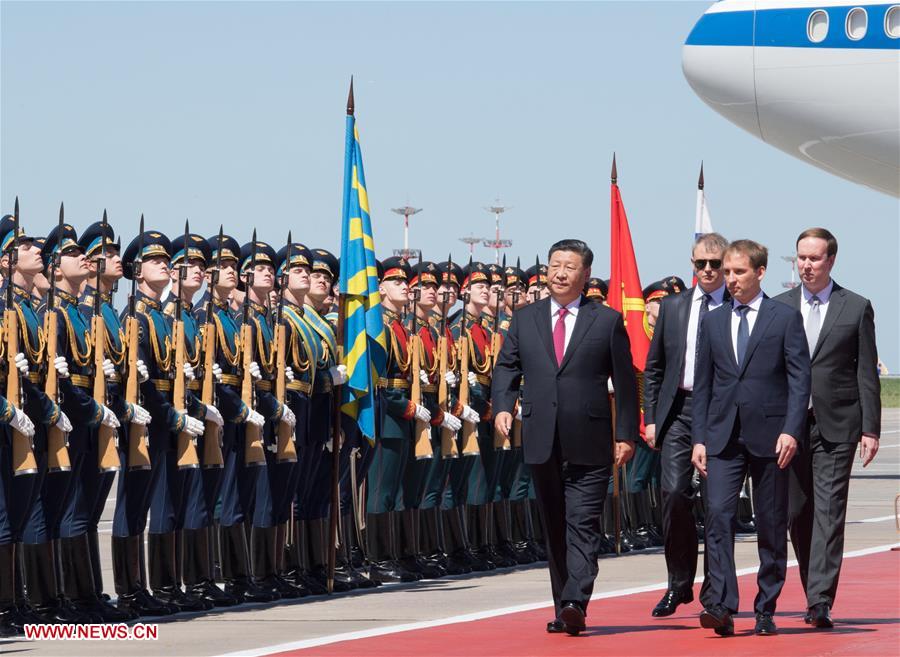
pixel 857 23
pixel 817 26
pixel 892 22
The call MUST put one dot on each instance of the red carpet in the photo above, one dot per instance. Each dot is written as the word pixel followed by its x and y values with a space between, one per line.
pixel 866 614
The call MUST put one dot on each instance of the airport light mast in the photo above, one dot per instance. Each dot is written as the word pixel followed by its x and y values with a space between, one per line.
pixel 497 243
pixel 407 253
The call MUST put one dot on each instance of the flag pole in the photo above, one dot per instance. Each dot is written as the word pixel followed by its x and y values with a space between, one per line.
pixel 614 176
pixel 336 425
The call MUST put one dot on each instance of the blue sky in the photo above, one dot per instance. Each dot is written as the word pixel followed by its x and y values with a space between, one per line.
pixel 234 113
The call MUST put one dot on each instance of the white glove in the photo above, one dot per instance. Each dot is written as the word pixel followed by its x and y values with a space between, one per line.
pixel 451 422
pixel 193 426
pixel 288 417
pixel 451 379
pixel 289 374
pixel 109 418
pixel 62 367
pixel 255 371
pixel 213 415
pixel 217 372
pixel 256 418
pixel 63 423
pixel 189 372
pixel 143 372
pixel 472 379
pixel 423 376
pixel 22 423
pixel 338 374
pixel 22 363
pixel 519 412
pixel 108 368
pixel 469 415
pixel 422 413
pixel 140 415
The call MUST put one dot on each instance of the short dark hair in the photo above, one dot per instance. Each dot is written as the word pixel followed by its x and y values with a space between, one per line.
pixel 821 233
pixel 576 246
pixel 712 241
pixel 756 252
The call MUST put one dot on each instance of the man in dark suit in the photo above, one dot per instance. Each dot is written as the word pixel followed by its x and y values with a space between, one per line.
pixel 567 349
pixel 751 391
pixel 845 410
pixel 668 386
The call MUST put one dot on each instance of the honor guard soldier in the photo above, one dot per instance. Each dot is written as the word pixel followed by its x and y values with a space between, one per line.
pixel 258 274
pixel 146 261
pixel 68 269
pixel 13 509
pixel 102 252
pixel 191 254
pixel 37 513
pixel 396 413
pixel 513 522
pixel 315 493
pixel 596 289
pixel 236 488
pixel 302 349
pixel 537 282
pixel 451 496
pixel 423 479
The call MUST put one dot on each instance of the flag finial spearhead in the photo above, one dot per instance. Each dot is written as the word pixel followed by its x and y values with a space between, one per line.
pixel 700 180
pixel 351 107
pixel 614 174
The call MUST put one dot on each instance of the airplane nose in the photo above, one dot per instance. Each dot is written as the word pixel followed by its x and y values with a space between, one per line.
pixel 717 60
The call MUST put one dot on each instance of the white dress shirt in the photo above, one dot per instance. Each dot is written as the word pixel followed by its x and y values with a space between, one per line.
pixel 751 319
pixel 569 319
pixel 824 296
pixel 690 347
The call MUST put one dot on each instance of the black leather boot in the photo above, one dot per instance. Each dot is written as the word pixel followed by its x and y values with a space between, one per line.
pixel 407 546
pixel 502 534
pixel 79 585
pixel 236 567
pixel 96 564
pixel 285 586
pixel 454 544
pixel 43 588
pixel 538 535
pixel 476 530
pixel 521 533
pixel 319 545
pixel 129 579
pixel 8 610
pixel 383 569
pixel 164 576
pixel 304 551
pixel 262 559
pixel 197 570
pixel 345 555
pixel 431 542
pixel 343 571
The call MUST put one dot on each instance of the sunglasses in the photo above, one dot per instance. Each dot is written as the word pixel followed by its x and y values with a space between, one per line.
pixel 700 263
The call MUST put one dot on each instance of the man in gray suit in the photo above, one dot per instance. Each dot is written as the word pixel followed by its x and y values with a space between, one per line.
pixel 845 410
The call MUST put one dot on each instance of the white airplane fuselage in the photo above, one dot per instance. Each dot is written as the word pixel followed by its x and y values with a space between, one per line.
pixel 824 88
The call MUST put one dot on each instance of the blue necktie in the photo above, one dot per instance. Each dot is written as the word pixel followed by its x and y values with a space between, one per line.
pixel 743 334
pixel 704 308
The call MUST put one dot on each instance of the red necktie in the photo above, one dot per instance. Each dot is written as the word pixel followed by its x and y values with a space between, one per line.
pixel 559 336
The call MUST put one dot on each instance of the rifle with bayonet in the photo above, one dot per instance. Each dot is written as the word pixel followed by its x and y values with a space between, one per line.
pixel 449 449
pixel 254 453
pixel 469 429
pixel 285 450
pixel 500 441
pixel 23 446
pixel 138 451
pixel 107 437
pixel 212 446
pixel 422 430
pixel 186 447
pixel 57 441
pixel 516 434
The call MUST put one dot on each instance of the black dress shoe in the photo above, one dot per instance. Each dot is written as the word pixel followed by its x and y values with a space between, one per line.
pixel 670 601
pixel 556 626
pixel 572 617
pixel 765 626
pixel 719 619
pixel 819 615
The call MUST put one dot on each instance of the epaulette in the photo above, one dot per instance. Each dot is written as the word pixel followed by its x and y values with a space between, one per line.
pixel 169 309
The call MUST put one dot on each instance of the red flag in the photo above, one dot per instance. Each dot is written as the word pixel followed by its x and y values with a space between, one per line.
pixel 625 291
